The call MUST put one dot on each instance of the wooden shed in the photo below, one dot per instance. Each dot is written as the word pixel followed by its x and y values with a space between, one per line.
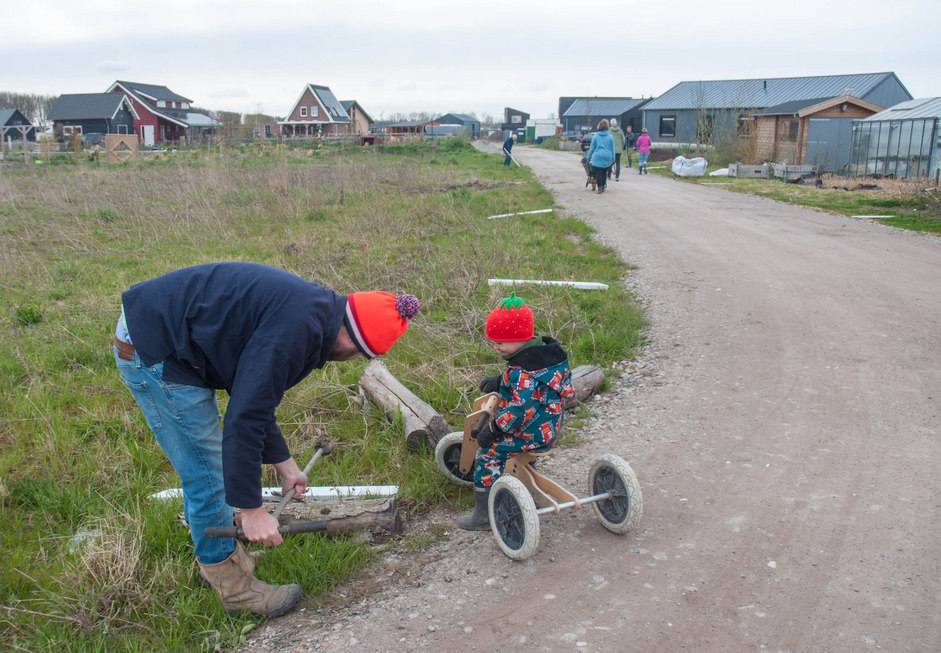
pixel 817 131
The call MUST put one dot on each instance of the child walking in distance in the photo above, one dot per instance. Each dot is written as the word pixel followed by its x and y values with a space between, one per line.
pixel 533 389
pixel 643 151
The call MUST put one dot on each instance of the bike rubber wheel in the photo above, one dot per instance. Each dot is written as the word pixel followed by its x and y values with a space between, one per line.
pixel 448 457
pixel 620 512
pixel 513 518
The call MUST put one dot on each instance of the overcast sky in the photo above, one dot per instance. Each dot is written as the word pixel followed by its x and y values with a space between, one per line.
pixel 400 56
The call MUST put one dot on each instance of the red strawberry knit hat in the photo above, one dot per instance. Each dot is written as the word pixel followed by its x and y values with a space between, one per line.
pixel 510 321
pixel 377 319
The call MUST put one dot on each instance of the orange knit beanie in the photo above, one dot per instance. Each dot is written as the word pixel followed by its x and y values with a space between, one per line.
pixel 377 319
pixel 510 321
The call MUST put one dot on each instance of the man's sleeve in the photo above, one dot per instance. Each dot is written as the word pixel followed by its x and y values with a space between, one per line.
pixel 251 436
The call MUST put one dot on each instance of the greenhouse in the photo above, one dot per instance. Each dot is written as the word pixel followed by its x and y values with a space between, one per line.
pixel 901 141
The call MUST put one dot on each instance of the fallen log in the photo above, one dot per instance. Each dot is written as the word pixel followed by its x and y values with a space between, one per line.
pixel 388 520
pixel 423 425
pixel 586 379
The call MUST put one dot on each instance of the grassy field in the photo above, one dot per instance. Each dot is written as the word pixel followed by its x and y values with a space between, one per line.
pixel 89 562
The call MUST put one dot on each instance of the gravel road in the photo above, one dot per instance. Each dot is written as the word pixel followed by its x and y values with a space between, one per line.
pixel 784 426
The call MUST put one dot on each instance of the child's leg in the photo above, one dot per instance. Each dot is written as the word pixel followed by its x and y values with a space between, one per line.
pixel 490 462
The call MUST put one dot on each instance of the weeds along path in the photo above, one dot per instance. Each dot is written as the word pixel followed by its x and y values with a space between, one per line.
pixel 784 426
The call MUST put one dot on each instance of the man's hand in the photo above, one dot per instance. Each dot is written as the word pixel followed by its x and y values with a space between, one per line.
pixel 292 476
pixel 260 526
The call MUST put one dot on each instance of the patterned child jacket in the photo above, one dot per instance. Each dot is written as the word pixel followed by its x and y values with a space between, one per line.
pixel 533 390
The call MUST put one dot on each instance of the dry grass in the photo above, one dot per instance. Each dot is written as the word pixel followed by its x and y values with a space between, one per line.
pixel 890 186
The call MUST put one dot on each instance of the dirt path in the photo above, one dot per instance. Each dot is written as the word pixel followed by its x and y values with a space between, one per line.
pixel 784 426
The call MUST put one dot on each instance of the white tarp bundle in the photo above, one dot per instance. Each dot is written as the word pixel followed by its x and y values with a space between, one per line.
pixel 683 167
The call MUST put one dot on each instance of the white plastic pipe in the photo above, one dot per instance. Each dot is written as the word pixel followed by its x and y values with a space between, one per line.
pixel 508 215
pixel 582 285
pixel 322 492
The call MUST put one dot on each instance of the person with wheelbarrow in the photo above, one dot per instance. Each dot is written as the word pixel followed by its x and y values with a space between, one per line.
pixel 601 154
pixel 254 331
pixel 532 391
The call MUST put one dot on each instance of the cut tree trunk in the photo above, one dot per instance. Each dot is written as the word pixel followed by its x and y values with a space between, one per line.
pixel 586 379
pixel 423 425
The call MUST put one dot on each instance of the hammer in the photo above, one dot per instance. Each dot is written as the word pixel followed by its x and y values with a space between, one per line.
pixel 324 446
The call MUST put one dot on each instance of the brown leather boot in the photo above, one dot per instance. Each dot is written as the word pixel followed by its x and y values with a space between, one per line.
pixel 238 589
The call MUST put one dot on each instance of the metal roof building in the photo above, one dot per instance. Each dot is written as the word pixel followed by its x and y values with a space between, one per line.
pixel 762 93
pixel 583 114
pixel 903 141
pixel 674 116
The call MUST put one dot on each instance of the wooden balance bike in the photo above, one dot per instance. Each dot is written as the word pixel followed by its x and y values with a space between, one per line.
pixel 522 494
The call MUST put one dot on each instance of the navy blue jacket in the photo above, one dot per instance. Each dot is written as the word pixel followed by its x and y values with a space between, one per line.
pixel 250 329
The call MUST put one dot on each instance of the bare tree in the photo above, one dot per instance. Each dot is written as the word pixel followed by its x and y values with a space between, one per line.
pixel 35 107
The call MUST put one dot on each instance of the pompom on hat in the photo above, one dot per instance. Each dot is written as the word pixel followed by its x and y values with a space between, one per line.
pixel 510 321
pixel 377 319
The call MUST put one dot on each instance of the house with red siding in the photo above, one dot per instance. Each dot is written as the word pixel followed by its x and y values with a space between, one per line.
pixel 162 115
pixel 317 112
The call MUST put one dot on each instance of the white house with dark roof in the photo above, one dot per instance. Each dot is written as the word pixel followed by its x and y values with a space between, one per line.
pixel 317 112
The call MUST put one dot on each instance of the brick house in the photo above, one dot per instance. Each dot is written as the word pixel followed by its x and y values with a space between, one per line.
pixel 317 112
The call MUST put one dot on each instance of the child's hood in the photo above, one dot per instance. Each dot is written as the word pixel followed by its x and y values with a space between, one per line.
pixel 548 354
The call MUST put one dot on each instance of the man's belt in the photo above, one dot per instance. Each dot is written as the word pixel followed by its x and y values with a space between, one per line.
pixel 125 351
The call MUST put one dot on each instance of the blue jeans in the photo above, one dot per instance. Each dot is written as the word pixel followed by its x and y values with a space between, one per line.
pixel 642 159
pixel 186 422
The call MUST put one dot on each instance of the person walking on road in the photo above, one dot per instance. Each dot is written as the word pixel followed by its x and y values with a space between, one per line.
pixel 601 155
pixel 507 147
pixel 618 137
pixel 254 331
pixel 643 151
pixel 629 138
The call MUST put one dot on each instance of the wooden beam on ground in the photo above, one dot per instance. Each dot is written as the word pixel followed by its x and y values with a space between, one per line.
pixel 423 425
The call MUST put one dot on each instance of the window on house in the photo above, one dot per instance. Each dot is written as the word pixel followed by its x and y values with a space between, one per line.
pixel 267 131
pixel 67 130
pixel 314 112
pixel 667 126
pixel 516 119
pixel 303 112
pixel 792 127
pixel 122 129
